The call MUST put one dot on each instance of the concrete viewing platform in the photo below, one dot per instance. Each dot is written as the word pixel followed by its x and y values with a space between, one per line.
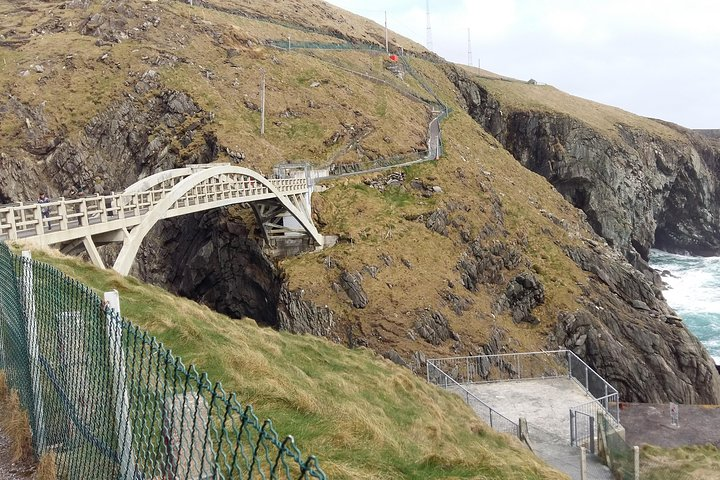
pixel 545 404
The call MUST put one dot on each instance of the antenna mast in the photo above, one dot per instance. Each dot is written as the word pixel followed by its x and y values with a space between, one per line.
pixel 470 62
pixel 428 40
pixel 387 50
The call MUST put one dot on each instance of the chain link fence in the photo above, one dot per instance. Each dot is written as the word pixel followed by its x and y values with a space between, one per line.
pixel 112 402
pixel 626 462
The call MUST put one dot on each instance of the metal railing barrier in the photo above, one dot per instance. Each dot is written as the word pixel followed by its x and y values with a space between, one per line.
pixel 492 417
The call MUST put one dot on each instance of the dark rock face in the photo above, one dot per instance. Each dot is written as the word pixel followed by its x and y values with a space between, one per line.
pixel 300 316
pixel 637 190
pixel 523 294
pixel 352 284
pixel 486 264
pixel 627 333
pixel 129 140
pixel 433 327
pixel 214 259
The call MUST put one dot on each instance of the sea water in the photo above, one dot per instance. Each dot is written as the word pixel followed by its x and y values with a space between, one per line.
pixel 694 293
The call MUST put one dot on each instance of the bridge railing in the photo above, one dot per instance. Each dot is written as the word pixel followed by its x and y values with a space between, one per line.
pixel 23 220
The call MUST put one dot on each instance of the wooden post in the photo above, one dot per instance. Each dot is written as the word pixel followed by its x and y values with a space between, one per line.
pixel 262 102
pixel 123 424
pixel 583 464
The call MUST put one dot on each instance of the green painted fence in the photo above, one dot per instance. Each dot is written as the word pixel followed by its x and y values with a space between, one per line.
pixel 112 402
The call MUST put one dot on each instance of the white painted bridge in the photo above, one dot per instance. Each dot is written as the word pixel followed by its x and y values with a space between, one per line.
pixel 281 206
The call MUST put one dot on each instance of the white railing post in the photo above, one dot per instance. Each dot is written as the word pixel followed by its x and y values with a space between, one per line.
pixel 123 422
pixel 636 451
pixel 39 228
pixel 13 225
pixel 33 350
pixel 62 213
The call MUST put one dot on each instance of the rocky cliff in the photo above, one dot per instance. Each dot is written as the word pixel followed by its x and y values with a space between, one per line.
pixel 640 187
pixel 471 254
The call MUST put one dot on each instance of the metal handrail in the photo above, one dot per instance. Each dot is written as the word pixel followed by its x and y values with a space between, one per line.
pixel 564 363
pixel 491 412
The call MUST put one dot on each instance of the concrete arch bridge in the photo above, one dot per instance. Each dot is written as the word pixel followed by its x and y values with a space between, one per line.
pixel 281 206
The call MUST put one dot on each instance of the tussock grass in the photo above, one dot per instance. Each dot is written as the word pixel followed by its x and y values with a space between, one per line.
pixel 46 469
pixel 365 417
pixel 697 462
pixel 15 422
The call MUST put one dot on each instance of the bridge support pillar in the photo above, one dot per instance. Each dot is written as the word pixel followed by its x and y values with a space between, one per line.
pixel 93 252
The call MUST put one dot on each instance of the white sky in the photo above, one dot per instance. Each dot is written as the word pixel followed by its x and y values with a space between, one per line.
pixel 657 58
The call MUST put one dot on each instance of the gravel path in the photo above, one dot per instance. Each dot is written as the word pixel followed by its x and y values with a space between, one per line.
pixel 10 470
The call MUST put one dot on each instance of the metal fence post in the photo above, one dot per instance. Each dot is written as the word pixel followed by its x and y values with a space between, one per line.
pixel 123 422
pixel 572 430
pixel 33 350
pixel 583 464
pixel 636 451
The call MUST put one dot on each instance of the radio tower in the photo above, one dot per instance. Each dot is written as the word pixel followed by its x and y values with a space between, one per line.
pixel 428 41
pixel 470 62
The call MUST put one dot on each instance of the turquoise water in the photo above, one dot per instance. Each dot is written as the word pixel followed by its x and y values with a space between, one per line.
pixel 694 293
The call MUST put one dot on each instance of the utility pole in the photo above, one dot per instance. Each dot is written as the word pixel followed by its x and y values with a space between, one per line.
pixel 262 101
pixel 387 50
pixel 470 62
pixel 428 40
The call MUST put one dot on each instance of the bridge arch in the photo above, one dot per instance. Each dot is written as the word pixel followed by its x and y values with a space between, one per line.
pixel 147 183
pixel 192 179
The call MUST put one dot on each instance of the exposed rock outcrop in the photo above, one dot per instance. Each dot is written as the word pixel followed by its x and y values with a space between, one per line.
pixel 131 139
pixel 638 189
pixel 523 294
pixel 352 284
pixel 627 332
pixel 433 327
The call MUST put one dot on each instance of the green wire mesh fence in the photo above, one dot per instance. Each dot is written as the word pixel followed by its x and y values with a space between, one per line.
pixel 112 402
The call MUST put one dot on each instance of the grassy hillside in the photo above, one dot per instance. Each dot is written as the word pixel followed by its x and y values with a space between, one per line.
pixel 216 57
pixel 523 96
pixel 322 106
pixel 365 417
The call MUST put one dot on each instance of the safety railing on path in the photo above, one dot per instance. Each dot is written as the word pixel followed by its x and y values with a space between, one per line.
pixel 535 365
pixel 112 402
pixel 440 111
pixel 491 416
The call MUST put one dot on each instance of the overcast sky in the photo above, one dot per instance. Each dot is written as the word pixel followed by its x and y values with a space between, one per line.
pixel 657 58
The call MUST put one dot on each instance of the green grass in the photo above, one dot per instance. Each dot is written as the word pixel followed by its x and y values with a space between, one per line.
pixel 363 416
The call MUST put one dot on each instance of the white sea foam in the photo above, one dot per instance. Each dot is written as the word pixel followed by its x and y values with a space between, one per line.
pixel 694 292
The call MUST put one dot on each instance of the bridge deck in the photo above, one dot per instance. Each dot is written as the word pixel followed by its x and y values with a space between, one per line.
pixel 281 205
